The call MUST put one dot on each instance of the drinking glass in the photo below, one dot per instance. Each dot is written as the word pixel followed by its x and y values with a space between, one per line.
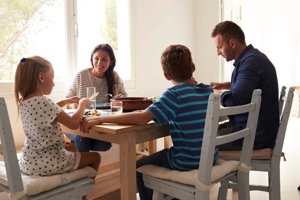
pixel 116 106
pixel 91 91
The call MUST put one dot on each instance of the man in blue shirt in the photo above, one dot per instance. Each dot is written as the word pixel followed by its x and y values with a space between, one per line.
pixel 253 70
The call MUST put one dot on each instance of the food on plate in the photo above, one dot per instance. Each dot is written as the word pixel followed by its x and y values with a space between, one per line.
pixel 92 113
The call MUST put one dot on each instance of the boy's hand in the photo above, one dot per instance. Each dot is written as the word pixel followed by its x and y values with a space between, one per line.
pixel 87 123
pixel 215 85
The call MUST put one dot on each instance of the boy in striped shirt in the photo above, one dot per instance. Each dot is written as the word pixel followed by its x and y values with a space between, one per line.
pixel 182 106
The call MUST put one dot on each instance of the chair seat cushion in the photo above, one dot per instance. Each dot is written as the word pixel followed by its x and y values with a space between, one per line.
pixel 221 168
pixel 260 154
pixel 37 184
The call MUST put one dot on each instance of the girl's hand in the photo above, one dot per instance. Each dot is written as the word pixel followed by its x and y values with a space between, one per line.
pixel 71 147
pixel 84 102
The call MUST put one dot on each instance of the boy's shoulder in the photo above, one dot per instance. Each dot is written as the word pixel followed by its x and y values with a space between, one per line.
pixel 185 85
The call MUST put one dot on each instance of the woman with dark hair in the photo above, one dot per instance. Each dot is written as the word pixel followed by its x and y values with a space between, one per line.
pixel 107 82
pixel 101 75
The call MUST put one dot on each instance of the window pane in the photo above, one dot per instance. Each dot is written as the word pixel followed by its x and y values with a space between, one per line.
pixel 32 28
pixel 99 21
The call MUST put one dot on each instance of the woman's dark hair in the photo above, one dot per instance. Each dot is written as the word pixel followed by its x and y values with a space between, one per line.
pixel 109 72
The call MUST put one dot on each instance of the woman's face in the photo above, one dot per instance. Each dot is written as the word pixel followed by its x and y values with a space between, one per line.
pixel 101 62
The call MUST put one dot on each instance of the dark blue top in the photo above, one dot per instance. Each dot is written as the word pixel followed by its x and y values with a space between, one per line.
pixel 253 70
pixel 184 108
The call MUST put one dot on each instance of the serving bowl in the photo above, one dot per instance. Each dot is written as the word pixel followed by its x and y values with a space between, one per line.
pixel 135 103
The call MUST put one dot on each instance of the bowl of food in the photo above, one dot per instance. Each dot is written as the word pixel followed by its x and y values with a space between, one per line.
pixel 135 103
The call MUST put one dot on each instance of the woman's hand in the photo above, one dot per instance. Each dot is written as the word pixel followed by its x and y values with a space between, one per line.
pixel 73 102
pixel 119 96
pixel 69 101
pixel 72 106
pixel 74 99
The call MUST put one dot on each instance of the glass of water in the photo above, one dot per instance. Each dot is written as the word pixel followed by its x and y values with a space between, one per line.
pixel 116 106
pixel 91 91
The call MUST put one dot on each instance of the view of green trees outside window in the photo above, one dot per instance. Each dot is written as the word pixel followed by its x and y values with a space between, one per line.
pixel 39 27
pixel 22 24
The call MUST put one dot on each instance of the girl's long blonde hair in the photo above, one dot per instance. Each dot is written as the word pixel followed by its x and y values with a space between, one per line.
pixel 26 77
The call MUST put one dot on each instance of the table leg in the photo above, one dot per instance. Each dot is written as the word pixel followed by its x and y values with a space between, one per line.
pixel 167 142
pixel 127 166
pixel 152 146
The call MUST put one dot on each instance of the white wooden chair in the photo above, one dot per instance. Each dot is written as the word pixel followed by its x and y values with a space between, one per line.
pixel 268 160
pixel 196 184
pixel 72 185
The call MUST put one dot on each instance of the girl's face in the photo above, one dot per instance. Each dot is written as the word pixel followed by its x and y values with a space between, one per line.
pixel 101 62
pixel 47 82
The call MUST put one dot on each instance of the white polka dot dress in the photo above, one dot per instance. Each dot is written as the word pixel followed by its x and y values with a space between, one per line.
pixel 43 152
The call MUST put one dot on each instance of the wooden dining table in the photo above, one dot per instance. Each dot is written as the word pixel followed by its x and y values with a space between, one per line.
pixel 127 136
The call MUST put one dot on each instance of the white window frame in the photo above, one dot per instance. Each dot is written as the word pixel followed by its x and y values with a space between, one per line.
pixel 7 87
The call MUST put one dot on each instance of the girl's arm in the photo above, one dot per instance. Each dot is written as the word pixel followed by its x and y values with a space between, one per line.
pixel 73 121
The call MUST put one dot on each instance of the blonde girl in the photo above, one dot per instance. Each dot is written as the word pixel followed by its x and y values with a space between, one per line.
pixel 44 151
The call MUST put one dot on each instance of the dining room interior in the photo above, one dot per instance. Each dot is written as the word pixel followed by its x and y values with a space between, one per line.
pixel 156 24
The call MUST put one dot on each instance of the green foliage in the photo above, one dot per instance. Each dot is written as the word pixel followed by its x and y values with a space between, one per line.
pixel 110 31
pixel 15 19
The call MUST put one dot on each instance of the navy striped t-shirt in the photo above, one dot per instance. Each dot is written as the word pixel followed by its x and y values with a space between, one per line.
pixel 183 107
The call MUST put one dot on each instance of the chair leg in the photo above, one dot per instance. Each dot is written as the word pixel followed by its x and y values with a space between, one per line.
pixel 274 183
pixel 299 187
pixel 157 195
pixel 223 190
pixel 243 189
pixel 202 195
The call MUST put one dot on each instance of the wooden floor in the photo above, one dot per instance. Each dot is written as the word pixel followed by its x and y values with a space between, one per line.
pixel 107 187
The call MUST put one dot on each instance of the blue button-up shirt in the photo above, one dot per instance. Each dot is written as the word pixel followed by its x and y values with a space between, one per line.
pixel 253 70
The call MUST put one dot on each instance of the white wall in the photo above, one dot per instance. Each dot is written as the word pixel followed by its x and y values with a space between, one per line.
pixel 208 14
pixel 156 25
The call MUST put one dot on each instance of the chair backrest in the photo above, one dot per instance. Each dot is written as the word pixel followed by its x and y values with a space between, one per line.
pixel 8 149
pixel 282 98
pixel 286 104
pixel 211 139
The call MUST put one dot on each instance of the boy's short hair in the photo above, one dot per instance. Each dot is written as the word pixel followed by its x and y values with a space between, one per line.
pixel 176 61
